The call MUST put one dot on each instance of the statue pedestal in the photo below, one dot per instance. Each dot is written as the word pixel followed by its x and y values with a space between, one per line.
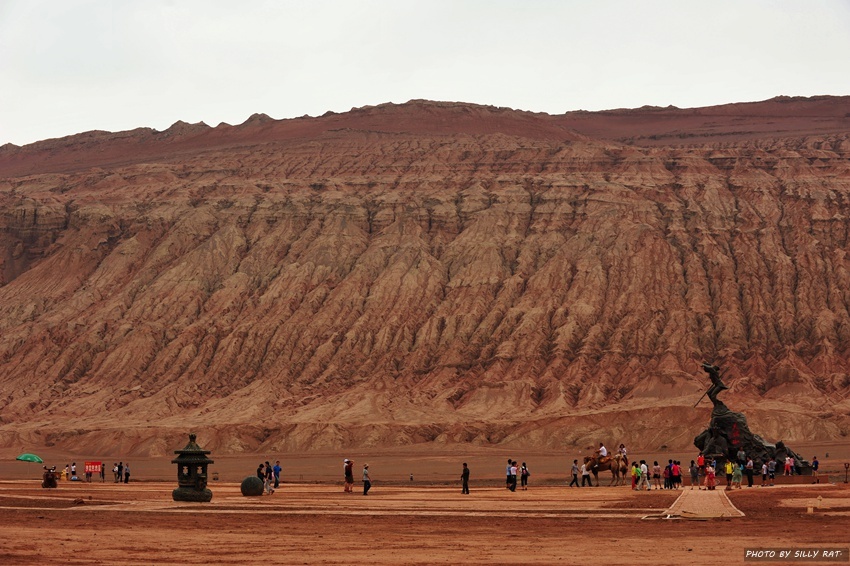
pixel 728 432
pixel 193 495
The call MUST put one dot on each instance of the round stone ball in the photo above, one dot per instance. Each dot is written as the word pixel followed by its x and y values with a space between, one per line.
pixel 251 486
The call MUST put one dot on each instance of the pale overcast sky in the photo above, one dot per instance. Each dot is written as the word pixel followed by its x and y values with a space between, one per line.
pixel 68 66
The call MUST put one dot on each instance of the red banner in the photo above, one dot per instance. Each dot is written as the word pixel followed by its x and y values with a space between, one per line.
pixel 93 467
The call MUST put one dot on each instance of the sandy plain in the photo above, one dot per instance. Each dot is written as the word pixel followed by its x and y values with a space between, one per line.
pixel 427 521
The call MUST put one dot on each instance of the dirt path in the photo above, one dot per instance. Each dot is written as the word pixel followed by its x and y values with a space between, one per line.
pixel 704 503
pixel 318 524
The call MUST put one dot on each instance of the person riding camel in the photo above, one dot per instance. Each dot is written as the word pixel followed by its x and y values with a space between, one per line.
pixel 622 450
pixel 603 452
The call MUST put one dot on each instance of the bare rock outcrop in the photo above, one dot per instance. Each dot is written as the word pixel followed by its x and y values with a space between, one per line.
pixel 450 273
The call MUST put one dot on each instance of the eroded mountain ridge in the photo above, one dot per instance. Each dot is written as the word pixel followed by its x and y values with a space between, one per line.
pixel 425 272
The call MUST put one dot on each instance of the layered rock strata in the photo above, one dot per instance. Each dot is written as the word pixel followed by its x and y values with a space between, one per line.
pixel 350 287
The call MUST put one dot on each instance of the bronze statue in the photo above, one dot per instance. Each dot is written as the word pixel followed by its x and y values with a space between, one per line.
pixel 717 385
pixel 728 431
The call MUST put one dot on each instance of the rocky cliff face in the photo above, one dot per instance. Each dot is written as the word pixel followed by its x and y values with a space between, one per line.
pixel 426 272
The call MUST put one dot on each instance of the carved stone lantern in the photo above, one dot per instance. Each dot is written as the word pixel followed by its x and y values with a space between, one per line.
pixel 192 465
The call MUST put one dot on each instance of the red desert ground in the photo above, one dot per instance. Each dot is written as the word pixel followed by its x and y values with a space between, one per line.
pixel 416 286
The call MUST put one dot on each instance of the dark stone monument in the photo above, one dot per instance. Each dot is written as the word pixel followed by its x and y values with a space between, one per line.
pixel 49 478
pixel 192 465
pixel 728 432
pixel 251 486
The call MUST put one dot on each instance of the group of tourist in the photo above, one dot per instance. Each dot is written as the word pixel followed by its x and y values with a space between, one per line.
pixel 583 471
pixel 348 476
pixel 121 472
pixel 743 465
pixel 671 474
pixel 270 476
pixel 512 472
pixel 703 473
pixel 667 477
pixel 69 472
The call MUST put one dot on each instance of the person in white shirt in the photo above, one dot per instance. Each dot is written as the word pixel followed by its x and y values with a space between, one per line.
pixel 513 475
pixel 603 452
pixel 585 475
pixel 644 477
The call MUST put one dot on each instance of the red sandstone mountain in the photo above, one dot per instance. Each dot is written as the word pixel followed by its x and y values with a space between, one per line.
pixel 428 272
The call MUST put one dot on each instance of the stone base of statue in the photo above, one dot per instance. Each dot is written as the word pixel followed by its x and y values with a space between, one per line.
pixel 252 486
pixel 728 432
pixel 192 495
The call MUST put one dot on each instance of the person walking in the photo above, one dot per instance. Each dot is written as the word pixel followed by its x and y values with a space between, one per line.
pixel 115 471
pixel 127 472
pixel 815 467
pixel 120 472
pixel 656 474
pixel 676 470
pixel 643 482
pixel 464 479
pixel 694 469
pixel 367 481
pixel 771 470
pixel 749 471
pixel 729 468
pixel 737 475
pixel 709 477
pixel 276 470
pixel 523 475
pixel 261 471
pixel 701 465
pixel 508 474
pixel 512 476
pixel 102 472
pixel 268 478
pixel 348 472
pixel 575 474
pixel 585 476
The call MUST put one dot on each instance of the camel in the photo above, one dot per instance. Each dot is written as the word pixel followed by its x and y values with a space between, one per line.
pixel 618 464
